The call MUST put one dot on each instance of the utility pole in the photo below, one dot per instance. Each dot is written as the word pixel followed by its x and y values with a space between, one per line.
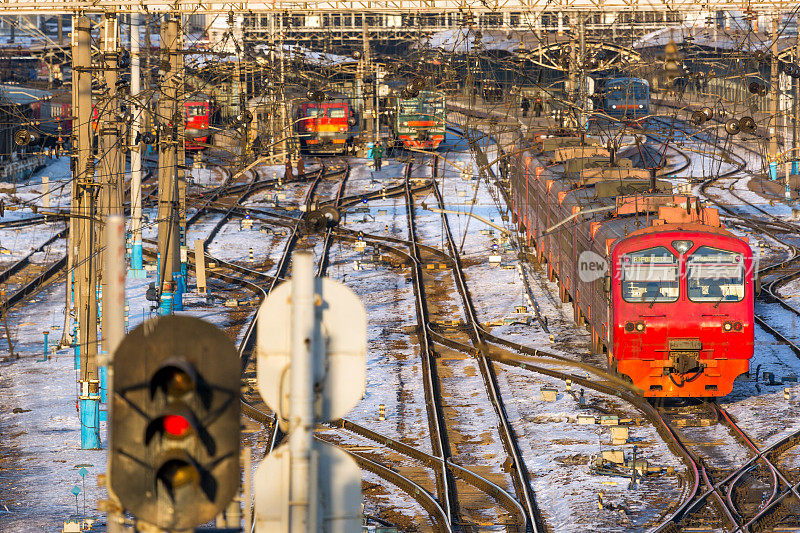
pixel 137 262
pixel 282 88
pixel 66 335
pixel 181 168
pixel 368 94
pixel 83 181
pixel 773 102
pixel 573 65
pixel 795 106
pixel 273 95
pixel 582 71
pixel 169 122
pixel 110 157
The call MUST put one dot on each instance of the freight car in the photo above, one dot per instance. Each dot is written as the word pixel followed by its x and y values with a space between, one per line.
pixel 665 290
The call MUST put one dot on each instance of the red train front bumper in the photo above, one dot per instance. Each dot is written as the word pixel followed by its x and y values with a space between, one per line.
pixel 716 379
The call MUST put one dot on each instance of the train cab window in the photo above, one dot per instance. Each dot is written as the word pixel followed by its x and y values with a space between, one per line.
pixel 196 111
pixel 313 112
pixel 337 112
pixel 650 276
pixel 714 275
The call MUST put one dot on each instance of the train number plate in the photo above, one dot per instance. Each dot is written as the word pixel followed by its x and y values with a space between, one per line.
pixel 685 344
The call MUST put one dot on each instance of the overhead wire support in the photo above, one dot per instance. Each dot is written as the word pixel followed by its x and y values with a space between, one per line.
pixel 85 206
pixel 170 120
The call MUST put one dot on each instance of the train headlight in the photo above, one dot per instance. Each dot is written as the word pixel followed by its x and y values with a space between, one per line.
pixel 613 106
pixel 682 246
pixel 737 326
pixel 641 106
pixel 629 326
pixel 640 326
pixel 727 326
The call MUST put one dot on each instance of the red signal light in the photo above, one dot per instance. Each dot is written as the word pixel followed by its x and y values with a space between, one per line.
pixel 176 426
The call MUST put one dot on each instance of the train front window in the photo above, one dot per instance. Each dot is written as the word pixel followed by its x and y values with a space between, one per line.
pixel 196 111
pixel 650 276
pixel 313 112
pixel 714 275
pixel 337 112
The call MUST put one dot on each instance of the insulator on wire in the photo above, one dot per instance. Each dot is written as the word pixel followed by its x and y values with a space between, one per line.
pixel 747 125
pixel 732 127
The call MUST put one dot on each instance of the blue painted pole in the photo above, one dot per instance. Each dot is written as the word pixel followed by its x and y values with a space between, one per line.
pixel 103 386
pixel 773 170
pixel 90 423
pixel 795 167
pixel 137 261
pixel 46 346
pixel 76 346
pixel 177 297
pixel 165 308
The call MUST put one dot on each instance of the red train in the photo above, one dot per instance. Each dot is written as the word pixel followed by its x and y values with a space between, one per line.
pixel 198 109
pixel 325 127
pixel 664 289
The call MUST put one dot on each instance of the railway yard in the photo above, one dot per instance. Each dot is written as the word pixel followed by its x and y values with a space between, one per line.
pixel 579 262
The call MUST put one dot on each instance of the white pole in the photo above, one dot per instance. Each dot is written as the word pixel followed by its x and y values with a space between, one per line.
pixel 301 412
pixel 113 319
pixel 137 264
pixel 46 192
pixel 114 308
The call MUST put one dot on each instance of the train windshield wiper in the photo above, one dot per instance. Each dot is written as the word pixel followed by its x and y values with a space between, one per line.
pixel 654 299
pixel 719 301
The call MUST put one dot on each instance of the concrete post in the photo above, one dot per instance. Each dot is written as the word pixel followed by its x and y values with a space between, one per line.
pixel 137 261
pixel 46 192
pixel 168 227
pixel 301 420
pixel 773 102
pixel 86 304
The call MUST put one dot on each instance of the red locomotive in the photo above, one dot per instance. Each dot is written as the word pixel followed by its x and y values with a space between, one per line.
pixel 664 289
pixel 198 114
pixel 325 127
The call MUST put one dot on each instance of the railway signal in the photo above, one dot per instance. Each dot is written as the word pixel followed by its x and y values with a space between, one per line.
pixel 174 452
pixel 307 376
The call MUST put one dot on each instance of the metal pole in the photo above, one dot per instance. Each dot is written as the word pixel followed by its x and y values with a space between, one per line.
pixel 168 229
pixel 137 262
pixel 582 70
pixel 113 320
pixel 282 88
pixel 301 420
pixel 180 287
pixel 795 106
pixel 66 336
pixel 773 103
pixel 110 161
pixel 247 491
pixel 86 304
pixel 367 97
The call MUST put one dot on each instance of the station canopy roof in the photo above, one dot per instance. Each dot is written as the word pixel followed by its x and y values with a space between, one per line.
pixel 463 40
pixel 16 94
pixel 711 38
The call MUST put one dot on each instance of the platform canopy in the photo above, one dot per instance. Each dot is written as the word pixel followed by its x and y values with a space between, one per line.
pixel 41 7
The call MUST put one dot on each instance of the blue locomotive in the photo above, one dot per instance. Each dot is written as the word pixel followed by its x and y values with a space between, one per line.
pixel 627 98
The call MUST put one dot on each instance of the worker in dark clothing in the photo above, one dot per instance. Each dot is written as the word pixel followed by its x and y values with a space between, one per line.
pixel 378 154
pixel 301 168
pixel 538 106
pixel 525 106
pixel 287 173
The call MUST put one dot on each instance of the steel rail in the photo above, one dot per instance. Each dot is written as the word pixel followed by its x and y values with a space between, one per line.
pixel 521 478
pixel 438 427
